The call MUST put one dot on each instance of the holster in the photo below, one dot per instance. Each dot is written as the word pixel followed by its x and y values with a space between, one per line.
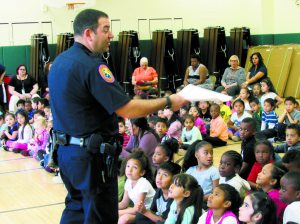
pixel 108 154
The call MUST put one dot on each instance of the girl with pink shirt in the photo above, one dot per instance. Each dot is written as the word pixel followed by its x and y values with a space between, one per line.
pixel 39 142
pixel 24 133
pixel 199 123
pixel 269 181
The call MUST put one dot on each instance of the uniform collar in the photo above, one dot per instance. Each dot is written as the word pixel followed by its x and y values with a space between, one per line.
pixel 86 50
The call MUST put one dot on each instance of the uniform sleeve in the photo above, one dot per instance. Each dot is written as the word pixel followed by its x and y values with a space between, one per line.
pixel 106 90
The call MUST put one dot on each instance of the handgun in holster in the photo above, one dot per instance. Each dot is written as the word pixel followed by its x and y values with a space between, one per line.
pixel 108 153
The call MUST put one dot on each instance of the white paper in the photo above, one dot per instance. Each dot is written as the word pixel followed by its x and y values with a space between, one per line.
pixel 194 93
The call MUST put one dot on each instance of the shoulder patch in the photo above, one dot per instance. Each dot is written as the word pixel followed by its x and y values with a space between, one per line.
pixel 106 74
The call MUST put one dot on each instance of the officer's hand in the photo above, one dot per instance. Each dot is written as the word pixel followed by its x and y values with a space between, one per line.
pixel 177 102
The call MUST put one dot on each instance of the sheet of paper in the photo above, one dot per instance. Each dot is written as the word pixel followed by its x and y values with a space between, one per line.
pixel 195 93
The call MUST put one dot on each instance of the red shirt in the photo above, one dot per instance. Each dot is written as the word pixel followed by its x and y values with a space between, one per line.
pixel 256 168
pixel 144 75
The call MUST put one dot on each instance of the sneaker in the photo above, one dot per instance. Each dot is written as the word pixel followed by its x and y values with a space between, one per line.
pixel 5 148
pixel 42 163
pixel 235 138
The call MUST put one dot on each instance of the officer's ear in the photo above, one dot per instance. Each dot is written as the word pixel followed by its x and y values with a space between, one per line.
pixel 88 34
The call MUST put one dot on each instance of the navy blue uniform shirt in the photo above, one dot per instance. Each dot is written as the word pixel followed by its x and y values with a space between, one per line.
pixel 84 94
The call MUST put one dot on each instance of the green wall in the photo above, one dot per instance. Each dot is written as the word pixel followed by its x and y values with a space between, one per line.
pixel 12 56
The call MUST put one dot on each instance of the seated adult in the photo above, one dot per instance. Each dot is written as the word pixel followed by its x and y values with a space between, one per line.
pixel 257 72
pixel 144 79
pixel 233 77
pixel 21 86
pixel 197 74
pixel 142 137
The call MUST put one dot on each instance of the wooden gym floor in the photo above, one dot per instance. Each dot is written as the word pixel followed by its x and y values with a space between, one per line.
pixel 28 194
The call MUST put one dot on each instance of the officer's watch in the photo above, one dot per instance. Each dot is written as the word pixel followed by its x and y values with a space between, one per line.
pixel 168 103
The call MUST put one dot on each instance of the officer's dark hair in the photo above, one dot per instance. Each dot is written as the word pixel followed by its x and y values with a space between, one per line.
pixel 254 100
pixel 270 101
pixel 24 114
pixel 44 101
pixel 170 167
pixel 291 98
pixel 195 56
pixel 139 155
pixel 40 112
pixel 236 158
pixel 142 123
pixel 294 180
pixel 292 156
pixel 170 146
pixel 231 195
pixel 87 19
pixel 295 127
pixel 20 101
pixel 251 121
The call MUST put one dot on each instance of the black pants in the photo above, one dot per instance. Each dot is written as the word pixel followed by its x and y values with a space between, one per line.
pixel 215 141
pixel 278 132
pixel 89 199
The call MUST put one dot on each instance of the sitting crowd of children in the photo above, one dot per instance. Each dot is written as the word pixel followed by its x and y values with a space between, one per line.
pixel 28 130
pixel 252 185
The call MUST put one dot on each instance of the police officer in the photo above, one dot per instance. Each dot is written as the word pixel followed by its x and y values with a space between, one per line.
pixel 86 99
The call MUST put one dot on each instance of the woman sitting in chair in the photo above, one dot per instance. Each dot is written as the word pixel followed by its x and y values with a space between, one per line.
pixel 144 79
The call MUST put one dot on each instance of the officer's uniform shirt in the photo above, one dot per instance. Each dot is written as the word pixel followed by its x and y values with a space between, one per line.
pixel 84 94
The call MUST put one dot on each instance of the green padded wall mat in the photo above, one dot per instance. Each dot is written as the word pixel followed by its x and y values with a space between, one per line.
pixel 278 65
